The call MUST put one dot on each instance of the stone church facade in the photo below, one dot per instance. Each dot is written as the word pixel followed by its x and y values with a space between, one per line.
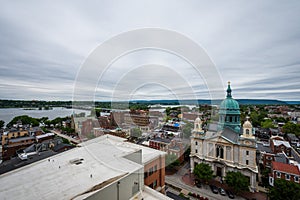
pixel 226 146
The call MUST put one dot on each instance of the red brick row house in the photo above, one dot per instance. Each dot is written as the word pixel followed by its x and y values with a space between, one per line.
pixel 284 171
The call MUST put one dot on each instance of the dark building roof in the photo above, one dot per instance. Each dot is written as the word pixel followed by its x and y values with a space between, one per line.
pixel 280 157
pixel 263 148
pixel 292 136
pixel 22 139
pixel 164 140
pixel 61 147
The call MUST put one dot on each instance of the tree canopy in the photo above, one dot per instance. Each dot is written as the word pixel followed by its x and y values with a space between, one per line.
pixel 2 123
pixel 237 181
pixel 187 129
pixel 284 190
pixel 25 119
pixel 267 124
pixel 171 161
pixel 203 171
pixel 290 127
pixel 136 132
pixel 257 117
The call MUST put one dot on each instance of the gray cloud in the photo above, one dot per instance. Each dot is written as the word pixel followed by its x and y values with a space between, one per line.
pixel 254 44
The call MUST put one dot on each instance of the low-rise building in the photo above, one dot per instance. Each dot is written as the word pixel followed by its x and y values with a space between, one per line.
pixel 172 146
pixel 292 138
pixel 284 171
pixel 278 145
pixel 106 167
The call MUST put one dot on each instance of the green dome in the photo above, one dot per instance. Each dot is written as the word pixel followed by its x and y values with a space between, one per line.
pixel 229 113
pixel 229 106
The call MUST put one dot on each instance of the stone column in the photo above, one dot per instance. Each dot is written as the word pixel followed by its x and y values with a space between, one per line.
pixel 192 164
pixel 224 173
pixel 253 181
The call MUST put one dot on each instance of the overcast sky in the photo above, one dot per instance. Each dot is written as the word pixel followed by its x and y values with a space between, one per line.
pixel 254 44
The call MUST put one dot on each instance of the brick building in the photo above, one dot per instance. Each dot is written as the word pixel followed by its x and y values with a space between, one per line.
pixel 170 146
pixel 284 171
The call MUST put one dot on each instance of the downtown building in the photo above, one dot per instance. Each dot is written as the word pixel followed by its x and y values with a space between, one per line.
pixel 226 146
pixel 107 167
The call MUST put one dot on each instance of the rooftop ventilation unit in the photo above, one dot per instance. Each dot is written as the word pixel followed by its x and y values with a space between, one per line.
pixel 76 161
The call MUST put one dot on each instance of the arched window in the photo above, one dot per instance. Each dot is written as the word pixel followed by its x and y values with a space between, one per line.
pixel 230 119
pixel 219 151
pixel 247 131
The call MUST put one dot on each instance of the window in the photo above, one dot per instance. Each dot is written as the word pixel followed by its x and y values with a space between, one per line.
pixel 145 174
pixel 150 171
pixel 196 143
pixel 296 179
pixel 278 174
pixel 269 158
pixel 210 149
pixel 155 168
pixel 196 150
pixel 230 119
pixel 247 131
pixel 151 185
pixel 228 153
pixel 287 177
pixel 247 162
pixel 154 184
pixel 219 151
pixel 271 181
pixel 247 153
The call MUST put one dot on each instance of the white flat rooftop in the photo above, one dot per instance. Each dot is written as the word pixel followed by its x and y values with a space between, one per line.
pixel 279 142
pixel 98 160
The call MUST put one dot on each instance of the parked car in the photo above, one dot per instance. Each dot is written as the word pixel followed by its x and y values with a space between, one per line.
pixel 230 194
pixel 198 183
pixel 214 189
pixel 222 191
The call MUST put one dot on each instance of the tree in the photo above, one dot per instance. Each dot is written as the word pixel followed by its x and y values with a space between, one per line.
pixel 25 119
pixel 290 127
pixel 267 124
pixel 284 190
pixel 2 123
pixel 186 154
pixel 237 180
pixel 171 161
pixel 203 171
pixel 136 132
pixel 265 176
pixel 187 129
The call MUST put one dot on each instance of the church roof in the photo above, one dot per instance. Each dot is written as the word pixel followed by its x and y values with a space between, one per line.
pixel 230 135
pixel 247 124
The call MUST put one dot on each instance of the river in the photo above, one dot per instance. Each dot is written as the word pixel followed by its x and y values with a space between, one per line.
pixel 7 114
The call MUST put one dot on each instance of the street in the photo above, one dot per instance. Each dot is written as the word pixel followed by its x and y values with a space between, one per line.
pixel 176 180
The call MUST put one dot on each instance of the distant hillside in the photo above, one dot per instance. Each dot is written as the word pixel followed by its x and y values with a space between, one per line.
pixel 107 104
pixel 203 101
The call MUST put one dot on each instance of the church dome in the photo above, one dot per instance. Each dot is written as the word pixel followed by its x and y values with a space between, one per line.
pixel 229 105
pixel 247 124
pixel 197 120
pixel 229 113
